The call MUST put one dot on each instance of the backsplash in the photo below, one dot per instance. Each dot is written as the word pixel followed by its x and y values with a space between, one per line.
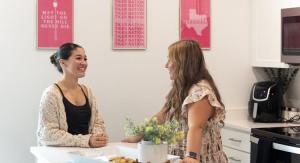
pixel 293 93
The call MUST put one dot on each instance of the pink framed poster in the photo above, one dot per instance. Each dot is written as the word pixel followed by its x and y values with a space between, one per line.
pixel 54 23
pixel 129 24
pixel 195 21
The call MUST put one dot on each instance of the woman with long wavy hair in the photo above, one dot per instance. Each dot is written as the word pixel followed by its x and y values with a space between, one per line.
pixel 195 102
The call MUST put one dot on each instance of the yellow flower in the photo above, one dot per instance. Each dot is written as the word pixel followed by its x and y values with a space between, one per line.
pixel 173 140
pixel 149 129
pixel 180 135
pixel 161 129
pixel 154 119
pixel 157 141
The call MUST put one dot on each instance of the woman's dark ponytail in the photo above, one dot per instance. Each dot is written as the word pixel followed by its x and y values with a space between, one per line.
pixel 52 59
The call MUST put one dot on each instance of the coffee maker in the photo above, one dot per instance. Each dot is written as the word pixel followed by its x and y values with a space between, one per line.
pixel 266 102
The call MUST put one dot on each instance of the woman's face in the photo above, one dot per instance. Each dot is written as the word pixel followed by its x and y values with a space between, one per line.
pixel 171 68
pixel 76 64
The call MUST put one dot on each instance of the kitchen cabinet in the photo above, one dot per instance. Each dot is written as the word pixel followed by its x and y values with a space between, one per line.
pixel 265 32
pixel 236 145
pixel 236 134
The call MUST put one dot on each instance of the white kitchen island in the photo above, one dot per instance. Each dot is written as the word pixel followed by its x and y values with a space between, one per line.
pixel 48 154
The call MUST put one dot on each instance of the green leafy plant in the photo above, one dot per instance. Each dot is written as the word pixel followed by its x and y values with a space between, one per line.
pixel 154 132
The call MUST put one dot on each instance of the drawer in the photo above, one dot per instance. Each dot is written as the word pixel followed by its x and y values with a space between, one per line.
pixel 235 156
pixel 236 139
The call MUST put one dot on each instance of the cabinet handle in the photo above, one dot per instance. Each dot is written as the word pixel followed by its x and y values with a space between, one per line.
pixel 234 159
pixel 235 140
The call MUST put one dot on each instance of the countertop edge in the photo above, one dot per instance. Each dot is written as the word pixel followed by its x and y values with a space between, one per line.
pixel 238 120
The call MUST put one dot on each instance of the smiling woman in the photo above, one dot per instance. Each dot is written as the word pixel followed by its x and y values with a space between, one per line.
pixel 68 110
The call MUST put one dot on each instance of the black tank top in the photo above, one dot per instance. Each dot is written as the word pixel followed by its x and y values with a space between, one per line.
pixel 78 117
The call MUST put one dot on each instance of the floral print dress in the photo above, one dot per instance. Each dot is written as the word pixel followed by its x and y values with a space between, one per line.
pixel 211 147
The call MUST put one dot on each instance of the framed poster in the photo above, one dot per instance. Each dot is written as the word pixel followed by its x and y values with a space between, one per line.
pixel 54 23
pixel 195 21
pixel 129 24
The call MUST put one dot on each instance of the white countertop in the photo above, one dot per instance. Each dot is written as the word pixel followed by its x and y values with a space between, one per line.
pixel 48 154
pixel 238 119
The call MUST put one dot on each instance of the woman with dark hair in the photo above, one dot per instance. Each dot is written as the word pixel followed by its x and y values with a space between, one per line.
pixel 195 102
pixel 68 111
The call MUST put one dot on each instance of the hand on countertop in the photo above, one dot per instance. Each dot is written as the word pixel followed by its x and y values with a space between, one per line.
pixel 98 140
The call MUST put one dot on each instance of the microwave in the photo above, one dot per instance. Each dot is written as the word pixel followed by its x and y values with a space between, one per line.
pixel 290 35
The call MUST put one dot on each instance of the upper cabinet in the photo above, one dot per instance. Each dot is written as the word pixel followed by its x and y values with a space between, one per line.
pixel 266 32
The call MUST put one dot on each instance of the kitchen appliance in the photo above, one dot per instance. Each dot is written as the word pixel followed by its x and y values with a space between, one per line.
pixel 275 145
pixel 290 114
pixel 265 104
pixel 290 35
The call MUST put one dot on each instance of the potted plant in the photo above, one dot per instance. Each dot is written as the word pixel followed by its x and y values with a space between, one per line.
pixel 156 137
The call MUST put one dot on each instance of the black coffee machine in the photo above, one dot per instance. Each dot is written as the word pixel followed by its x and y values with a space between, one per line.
pixel 266 102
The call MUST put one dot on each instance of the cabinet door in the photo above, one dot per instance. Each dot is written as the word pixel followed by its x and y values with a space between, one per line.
pixel 236 139
pixel 235 156
pixel 266 32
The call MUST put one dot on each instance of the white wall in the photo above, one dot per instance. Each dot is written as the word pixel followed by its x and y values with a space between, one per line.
pixel 126 83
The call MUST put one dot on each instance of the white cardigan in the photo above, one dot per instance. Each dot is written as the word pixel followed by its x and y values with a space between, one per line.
pixel 52 124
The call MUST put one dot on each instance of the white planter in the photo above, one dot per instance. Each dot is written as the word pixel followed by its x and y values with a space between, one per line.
pixel 153 153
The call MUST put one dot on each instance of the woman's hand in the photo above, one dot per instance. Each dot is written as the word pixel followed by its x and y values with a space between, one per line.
pixel 189 160
pixel 133 139
pixel 98 140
